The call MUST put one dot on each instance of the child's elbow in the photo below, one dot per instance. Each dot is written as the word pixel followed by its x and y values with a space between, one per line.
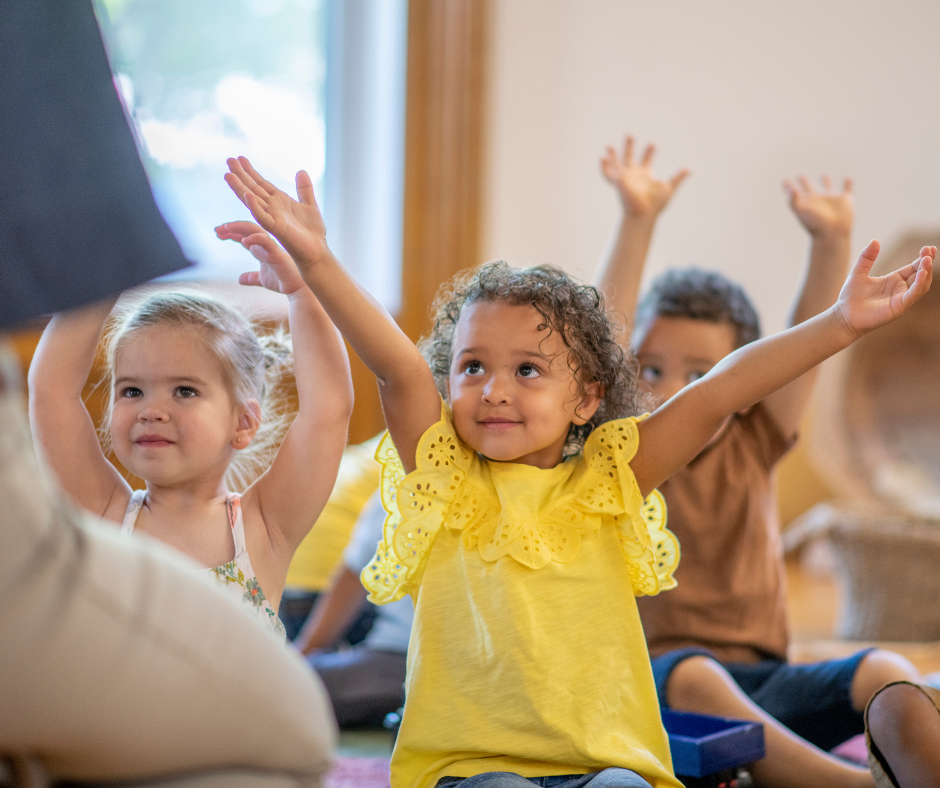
pixel 341 403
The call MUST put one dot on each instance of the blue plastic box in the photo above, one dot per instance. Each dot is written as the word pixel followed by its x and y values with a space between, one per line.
pixel 703 745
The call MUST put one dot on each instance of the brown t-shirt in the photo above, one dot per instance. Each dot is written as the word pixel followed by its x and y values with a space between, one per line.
pixel 731 588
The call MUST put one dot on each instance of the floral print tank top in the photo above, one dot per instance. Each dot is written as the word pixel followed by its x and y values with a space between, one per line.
pixel 237 575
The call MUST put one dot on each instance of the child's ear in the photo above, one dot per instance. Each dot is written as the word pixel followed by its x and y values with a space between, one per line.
pixel 590 402
pixel 248 424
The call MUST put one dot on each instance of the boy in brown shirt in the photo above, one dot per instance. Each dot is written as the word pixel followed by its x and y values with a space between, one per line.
pixel 719 640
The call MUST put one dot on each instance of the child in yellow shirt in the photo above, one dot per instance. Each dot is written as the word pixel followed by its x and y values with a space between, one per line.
pixel 524 517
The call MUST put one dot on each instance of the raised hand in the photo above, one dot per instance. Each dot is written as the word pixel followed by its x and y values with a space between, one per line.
pixel 277 271
pixel 867 302
pixel 297 224
pixel 641 193
pixel 824 212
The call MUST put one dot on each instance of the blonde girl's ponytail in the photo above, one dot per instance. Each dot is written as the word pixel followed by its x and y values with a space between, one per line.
pixel 278 409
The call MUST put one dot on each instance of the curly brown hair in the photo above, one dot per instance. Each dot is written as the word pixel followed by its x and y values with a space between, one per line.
pixel 575 310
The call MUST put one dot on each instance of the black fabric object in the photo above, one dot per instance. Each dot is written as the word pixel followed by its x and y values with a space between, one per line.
pixel 78 221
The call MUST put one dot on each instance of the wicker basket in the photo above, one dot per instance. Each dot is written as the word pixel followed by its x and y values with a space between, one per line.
pixel 888 567
pixel 875 436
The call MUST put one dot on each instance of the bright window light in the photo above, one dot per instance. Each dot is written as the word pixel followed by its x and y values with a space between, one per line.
pixel 206 80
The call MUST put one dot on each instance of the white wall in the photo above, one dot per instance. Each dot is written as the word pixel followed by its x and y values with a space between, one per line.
pixel 743 93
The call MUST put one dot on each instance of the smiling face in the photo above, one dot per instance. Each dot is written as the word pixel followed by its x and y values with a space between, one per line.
pixel 174 420
pixel 512 393
pixel 677 351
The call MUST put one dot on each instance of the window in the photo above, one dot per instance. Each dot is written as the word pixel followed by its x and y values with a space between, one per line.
pixel 292 84
pixel 217 78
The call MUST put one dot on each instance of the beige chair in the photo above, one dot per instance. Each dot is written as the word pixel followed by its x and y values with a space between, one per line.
pixel 118 664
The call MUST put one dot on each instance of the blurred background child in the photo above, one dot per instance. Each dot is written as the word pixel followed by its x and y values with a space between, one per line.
pixel 719 640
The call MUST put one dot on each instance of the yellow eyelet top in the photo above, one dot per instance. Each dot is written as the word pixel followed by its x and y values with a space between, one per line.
pixel 527 653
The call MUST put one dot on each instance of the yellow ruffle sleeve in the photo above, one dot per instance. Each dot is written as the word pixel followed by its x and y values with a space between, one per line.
pixel 451 487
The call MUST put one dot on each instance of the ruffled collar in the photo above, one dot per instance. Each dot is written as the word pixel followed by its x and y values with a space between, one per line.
pixel 532 515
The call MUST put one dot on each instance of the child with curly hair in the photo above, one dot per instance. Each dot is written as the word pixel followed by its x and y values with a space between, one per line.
pixel 527 663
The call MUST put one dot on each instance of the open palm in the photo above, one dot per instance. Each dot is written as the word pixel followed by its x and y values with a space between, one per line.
pixel 825 211
pixel 297 224
pixel 867 302
pixel 641 192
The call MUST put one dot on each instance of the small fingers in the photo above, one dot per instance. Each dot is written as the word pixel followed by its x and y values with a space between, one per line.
pixel 250 279
pixel 223 232
pixel 235 167
pixel 805 184
pixel 827 184
pixel 676 179
pixel 648 155
pixel 237 230
pixel 236 185
pixel 263 240
pixel 610 166
pixel 628 150
pixel 867 258
pixel 243 184
pixel 305 188
pixel 847 186
pixel 266 186
pixel 258 210
pixel 918 287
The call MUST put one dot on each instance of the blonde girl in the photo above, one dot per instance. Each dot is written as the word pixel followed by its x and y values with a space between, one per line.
pixel 527 662
pixel 188 382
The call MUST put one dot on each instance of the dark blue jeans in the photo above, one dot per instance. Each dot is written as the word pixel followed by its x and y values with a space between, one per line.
pixel 609 778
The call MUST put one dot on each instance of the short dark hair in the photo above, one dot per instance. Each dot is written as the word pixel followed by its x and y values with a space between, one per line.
pixel 699 295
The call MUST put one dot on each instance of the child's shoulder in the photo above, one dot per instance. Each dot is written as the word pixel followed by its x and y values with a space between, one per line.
pixel 620 436
pixel 753 437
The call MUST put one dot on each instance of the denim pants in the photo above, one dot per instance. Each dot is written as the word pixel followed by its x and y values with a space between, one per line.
pixel 609 778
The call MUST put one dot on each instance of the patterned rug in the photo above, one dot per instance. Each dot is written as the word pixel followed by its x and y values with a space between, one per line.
pixel 359 773
pixel 854 750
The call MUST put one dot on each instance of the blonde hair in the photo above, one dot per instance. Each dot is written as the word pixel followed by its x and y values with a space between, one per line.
pixel 254 366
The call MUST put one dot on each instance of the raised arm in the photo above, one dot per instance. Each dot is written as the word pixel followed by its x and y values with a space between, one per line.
pixel 643 198
pixel 827 217
pixel 293 491
pixel 62 427
pixel 409 396
pixel 677 431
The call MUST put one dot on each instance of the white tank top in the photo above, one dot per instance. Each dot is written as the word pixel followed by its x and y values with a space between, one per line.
pixel 237 575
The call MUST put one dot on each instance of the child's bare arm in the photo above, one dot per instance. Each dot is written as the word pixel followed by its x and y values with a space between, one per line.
pixel 827 217
pixel 333 613
pixel 643 198
pixel 293 491
pixel 409 395
pixel 62 427
pixel 677 431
